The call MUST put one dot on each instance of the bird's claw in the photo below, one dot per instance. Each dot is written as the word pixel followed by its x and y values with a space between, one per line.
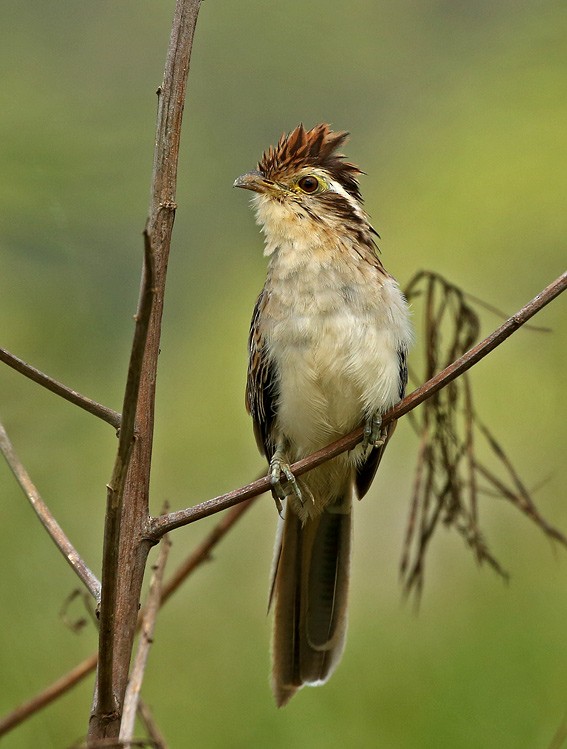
pixel 280 492
pixel 374 434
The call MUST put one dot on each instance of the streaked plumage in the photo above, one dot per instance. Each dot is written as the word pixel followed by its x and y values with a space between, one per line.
pixel 327 346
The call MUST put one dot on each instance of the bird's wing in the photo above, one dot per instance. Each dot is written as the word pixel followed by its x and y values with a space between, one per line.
pixel 367 470
pixel 261 385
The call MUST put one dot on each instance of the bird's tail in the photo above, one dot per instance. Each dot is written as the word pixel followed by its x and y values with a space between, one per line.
pixel 309 593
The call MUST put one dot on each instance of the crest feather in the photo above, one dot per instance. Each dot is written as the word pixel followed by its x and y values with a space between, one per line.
pixel 316 147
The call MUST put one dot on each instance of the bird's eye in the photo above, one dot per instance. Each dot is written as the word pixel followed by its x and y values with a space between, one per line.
pixel 308 184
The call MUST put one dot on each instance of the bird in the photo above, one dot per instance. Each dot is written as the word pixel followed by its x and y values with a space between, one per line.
pixel 328 346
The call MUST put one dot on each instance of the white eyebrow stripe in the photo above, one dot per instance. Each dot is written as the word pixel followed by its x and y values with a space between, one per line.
pixel 353 202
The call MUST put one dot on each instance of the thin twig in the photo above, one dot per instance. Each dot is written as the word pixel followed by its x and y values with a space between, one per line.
pixel 523 503
pixel 502 315
pixel 165 523
pixel 414 502
pixel 560 735
pixel 47 520
pixel 145 715
pixel 106 414
pixel 198 556
pixel 77 623
pixel 147 627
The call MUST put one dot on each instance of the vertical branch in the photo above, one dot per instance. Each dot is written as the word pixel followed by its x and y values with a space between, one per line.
pixel 118 491
pixel 125 548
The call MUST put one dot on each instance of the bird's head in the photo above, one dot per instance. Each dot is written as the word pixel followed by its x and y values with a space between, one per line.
pixel 305 189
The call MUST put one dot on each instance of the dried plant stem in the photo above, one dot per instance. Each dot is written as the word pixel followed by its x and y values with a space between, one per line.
pixel 107 699
pixel 106 414
pixel 148 620
pixel 521 500
pixel 478 352
pixel 165 523
pixel 47 520
pixel 446 487
pixel 414 503
pixel 145 715
pixel 116 743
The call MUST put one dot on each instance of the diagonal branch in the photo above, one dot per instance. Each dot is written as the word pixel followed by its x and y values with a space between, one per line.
pixel 47 520
pixel 147 719
pixel 202 553
pixel 106 414
pixel 165 523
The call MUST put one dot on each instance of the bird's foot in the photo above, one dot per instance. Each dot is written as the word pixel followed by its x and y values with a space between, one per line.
pixel 374 434
pixel 282 489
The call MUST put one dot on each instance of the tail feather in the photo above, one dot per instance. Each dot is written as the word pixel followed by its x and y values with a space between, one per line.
pixel 310 590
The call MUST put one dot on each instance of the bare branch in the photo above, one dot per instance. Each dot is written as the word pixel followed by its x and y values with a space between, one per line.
pixel 148 620
pixel 145 715
pixel 165 523
pixel 523 502
pixel 47 520
pixel 106 695
pixel 106 414
pixel 125 548
pixel 503 315
pixel 203 552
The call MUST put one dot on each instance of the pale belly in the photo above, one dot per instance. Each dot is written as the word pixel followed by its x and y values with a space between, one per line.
pixel 335 370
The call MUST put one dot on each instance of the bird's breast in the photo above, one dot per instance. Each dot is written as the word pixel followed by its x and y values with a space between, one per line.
pixel 335 351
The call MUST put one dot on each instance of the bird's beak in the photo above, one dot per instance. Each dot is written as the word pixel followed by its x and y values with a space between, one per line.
pixel 253 181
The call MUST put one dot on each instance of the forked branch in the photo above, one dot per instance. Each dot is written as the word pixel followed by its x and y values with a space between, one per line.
pixel 147 625
pixel 125 549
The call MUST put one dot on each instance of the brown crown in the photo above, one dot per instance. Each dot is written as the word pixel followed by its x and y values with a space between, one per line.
pixel 315 147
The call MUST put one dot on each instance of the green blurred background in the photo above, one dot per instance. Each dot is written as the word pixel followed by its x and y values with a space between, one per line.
pixel 457 112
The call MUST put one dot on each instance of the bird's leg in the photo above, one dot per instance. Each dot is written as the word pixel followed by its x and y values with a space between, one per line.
pixel 279 465
pixel 374 434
